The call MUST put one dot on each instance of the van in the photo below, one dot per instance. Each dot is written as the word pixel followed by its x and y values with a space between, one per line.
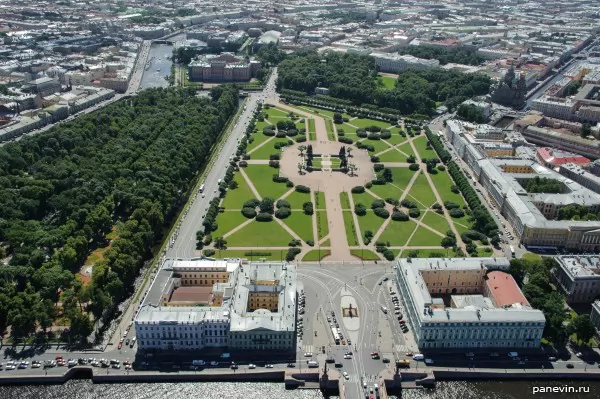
pixel 219 181
pixel 418 356
pixel 313 364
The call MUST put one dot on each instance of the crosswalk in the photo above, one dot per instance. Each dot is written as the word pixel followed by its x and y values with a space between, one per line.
pixel 308 348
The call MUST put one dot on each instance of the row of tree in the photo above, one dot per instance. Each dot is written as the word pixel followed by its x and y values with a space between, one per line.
pixel 444 55
pixel 128 165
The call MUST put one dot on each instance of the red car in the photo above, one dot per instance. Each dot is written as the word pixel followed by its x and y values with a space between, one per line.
pixel 59 357
pixel 120 345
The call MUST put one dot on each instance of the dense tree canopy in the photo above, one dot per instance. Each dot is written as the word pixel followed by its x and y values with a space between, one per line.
pixel 543 185
pixel 62 191
pixel 354 77
pixel 444 55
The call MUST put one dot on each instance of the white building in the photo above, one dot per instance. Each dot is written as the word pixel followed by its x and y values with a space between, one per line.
pixel 578 277
pixel 502 319
pixel 394 63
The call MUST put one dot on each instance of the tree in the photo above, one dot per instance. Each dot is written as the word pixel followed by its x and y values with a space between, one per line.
pixel 233 185
pixel 337 118
pixel 300 167
pixel 302 148
pixel 342 152
pixel 583 327
pixel 220 243
pixel 586 130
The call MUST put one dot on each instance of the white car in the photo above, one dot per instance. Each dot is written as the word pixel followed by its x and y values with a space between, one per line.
pixel 346 376
pixel 347 356
pixel 36 365
pixel 252 366
pixel 308 354
pixel 269 366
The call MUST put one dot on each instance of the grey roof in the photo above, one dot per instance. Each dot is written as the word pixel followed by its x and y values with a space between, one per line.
pixel 580 266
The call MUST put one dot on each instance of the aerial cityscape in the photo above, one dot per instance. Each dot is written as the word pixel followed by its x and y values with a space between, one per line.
pixel 345 199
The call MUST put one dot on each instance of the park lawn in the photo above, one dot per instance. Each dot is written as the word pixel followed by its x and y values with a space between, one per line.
pixel 461 225
pixel 234 199
pixel 397 233
pixel 396 252
pixel 351 234
pixel 401 176
pixel 421 192
pixel 227 221
pixel 257 139
pixel 301 224
pixel 348 128
pixel 437 222
pixel 268 149
pixel 330 129
pixel 396 139
pixel 317 163
pixel 388 190
pixel 274 255
pixel 259 126
pixel 420 144
pixel 312 136
pixel 260 234
pixel 482 253
pixel 364 198
pixel 388 81
pixel 430 253
pixel 318 111
pixel 335 162
pixel 311 125
pixel 262 178
pixel 406 149
pixel 424 238
pixel 315 255
pixel 378 145
pixel 344 200
pixel 369 222
pixel 322 224
pixel 300 125
pixel 319 200
pixel 326 243
pixel 443 182
pixel 364 254
pixel 364 123
pixel 297 199
pixel 392 155
pixel 275 112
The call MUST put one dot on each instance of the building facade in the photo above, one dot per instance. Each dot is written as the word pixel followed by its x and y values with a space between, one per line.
pixel 471 321
pixel 578 277
pixel 222 68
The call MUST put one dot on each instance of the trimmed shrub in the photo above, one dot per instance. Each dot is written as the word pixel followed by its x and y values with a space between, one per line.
pixel 301 139
pixel 291 254
pixel 310 243
pixel 392 201
pixel 374 159
pixel 457 213
pixel 358 190
pixel 414 212
pixel 243 164
pixel 399 216
pixel 289 184
pixel 283 213
pixel 308 208
pixel 282 204
pixel 378 167
pixel 302 189
pixel 249 213
pixel 209 252
pixel 388 255
pixel 345 140
pixel 253 203
pixel 274 157
pixel 360 209
pixel 378 204
pixel 264 217
pixel 414 167
pixel 369 185
pixel 373 136
pixel 385 134
pixel 279 179
pixel 361 133
pixel 382 213
pixel 274 164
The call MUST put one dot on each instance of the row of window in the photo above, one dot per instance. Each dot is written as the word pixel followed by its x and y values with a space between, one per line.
pixel 480 334
pixel 221 341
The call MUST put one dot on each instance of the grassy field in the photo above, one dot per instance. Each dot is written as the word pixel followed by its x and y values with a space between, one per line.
pixel 297 199
pixel 351 234
pixel 421 192
pixel 424 238
pixel 443 182
pixel 378 146
pixel 344 199
pixel 257 139
pixel 227 221
pixel 369 222
pixel 268 149
pixel 322 224
pixel 317 111
pixel 364 198
pixel 364 254
pixel 420 144
pixel 255 255
pixel 235 198
pixel 275 112
pixel 485 252
pixel 260 234
pixel 301 224
pixel 386 191
pixel 400 179
pixel 262 178
pixel 397 233
pixel 388 81
pixel 427 253
pixel 319 200
pixel 396 138
pixel 530 256
pixel 462 225
pixel 364 123
pixel 315 255
pixel 437 222
pixel 330 131
pixel 312 131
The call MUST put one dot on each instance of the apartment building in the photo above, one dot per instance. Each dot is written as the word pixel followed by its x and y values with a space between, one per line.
pixel 466 303
pixel 202 303
pixel 578 277
pixel 551 157
pixel 564 141
pixel 556 107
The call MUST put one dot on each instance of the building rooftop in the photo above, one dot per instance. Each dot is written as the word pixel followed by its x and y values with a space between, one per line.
pixel 504 289
pixel 583 266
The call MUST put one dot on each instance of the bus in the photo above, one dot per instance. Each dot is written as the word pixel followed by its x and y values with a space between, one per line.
pixel 336 335
pixel 512 251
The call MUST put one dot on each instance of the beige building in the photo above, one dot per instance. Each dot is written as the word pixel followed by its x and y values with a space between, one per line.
pixel 578 277
pixel 224 67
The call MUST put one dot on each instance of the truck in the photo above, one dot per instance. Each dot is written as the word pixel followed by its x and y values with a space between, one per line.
pixel 403 363
pixel 313 364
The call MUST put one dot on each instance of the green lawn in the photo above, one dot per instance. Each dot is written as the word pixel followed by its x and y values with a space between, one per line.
pixel 378 146
pixel 301 224
pixel 396 138
pixel 344 199
pixel 351 234
pixel 234 199
pixel 394 155
pixel 257 139
pixel 437 222
pixel 364 123
pixel 529 256
pixel 427 253
pixel 482 253
pixel 262 178
pixel 317 111
pixel 315 255
pixel 420 144
pixel 260 234
pixel 425 238
pixel 443 182
pixel 254 255
pixel 400 179
pixel 406 149
pixel 388 81
pixel 364 254
pixel 369 222
pixel 319 200
pixel 462 225
pixel 311 125
pixel 348 128
pixel 421 192
pixel 297 199
pixel 365 198
pixel 227 221
pixel 330 131
pixel 322 224
pixel 268 149
pixel 276 112
pixel 397 233
pixel 300 125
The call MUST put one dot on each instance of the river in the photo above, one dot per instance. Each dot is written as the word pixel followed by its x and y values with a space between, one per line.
pixel 83 389
pixel 160 65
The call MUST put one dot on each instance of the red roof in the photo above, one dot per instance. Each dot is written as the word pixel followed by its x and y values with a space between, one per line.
pixel 504 290
pixel 556 157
